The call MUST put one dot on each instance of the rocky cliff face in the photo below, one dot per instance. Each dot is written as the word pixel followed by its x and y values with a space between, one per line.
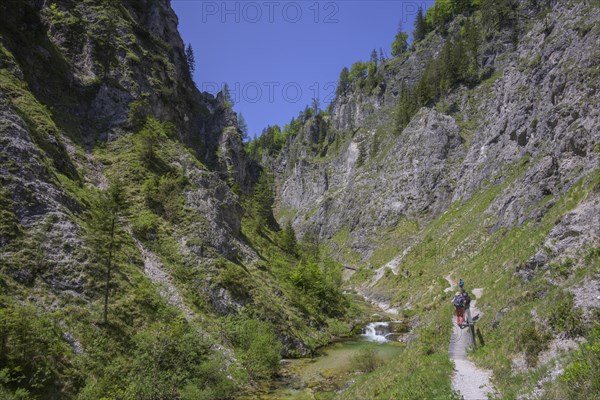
pixel 539 103
pixel 496 182
pixel 76 76
pixel 97 91
pixel 111 66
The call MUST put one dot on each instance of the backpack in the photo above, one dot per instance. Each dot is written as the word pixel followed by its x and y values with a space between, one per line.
pixel 457 301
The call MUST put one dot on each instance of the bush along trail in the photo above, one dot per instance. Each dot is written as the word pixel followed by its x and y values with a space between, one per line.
pixel 471 382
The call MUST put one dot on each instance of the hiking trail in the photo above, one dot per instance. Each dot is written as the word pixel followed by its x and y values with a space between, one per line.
pixel 470 381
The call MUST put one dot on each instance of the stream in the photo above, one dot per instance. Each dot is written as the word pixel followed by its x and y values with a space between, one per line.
pixel 335 368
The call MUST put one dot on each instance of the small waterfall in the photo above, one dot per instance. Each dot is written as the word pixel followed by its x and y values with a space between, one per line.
pixel 376 332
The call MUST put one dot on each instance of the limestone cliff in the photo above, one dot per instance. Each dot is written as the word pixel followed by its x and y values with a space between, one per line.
pixel 98 92
pixel 538 101
pixel 495 181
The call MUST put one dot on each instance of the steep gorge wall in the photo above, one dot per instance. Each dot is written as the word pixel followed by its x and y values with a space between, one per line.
pixel 539 104
pixel 99 90
pixel 77 81
pixel 497 183
pixel 77 75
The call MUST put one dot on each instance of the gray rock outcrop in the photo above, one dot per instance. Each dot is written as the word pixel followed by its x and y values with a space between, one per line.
pixel 538 110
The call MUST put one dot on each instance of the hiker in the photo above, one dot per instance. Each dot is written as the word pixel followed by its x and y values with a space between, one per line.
pixel 467 305
pixel 459 304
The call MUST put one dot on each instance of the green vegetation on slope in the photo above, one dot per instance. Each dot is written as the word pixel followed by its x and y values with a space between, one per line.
pixel 490 261
pixel 289 302
pixel 286 302
pixel 458 62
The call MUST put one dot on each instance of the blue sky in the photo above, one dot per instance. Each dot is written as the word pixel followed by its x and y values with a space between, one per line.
pixel 277 55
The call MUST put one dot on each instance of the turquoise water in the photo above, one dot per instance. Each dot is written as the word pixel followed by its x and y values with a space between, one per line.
pixel 333 369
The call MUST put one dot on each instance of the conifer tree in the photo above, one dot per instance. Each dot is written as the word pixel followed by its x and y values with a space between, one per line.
pixel 288 237
pixel 316 105
pixel 472 40
pixel 106 231
pixel 191 60
pixel 227 96
pixel 243 126
pixel 400 44
pixel 312 245
pixel 344 81
pixel 150 137
pixel 374 57
pixel 263 200
pixel 362 154
pixel 407 107
pixel 382 56
pixel 499 13
pixel 420 26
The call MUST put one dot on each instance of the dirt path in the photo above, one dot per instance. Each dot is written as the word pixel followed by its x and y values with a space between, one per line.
pixel 393 265
pixel 452 284
pixel 469 381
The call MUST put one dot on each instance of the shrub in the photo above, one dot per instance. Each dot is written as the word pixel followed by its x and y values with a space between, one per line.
pixel 171 358
pixel 34 358
pixel 358 70
pixel 19 394
pixel 259 349
pixel 532 342
pixel 440 13
pixel 567 319
pixel 163 194
pixel 367 360
pixel 145 225
pixel 580 380
pixel 138 113
pixel 321 286
pixel 432 339
pixel 235 279
pixel 594 253
pixel 9 224
pixel 212 384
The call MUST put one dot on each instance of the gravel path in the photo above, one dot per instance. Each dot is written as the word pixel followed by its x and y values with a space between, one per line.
pixel 471 382
pixel 452 284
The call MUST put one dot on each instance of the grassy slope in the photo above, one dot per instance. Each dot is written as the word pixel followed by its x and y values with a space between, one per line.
pixel 458 243
pixel 115 353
